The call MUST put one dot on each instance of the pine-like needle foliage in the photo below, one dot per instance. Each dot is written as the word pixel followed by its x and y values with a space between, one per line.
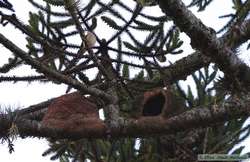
pixel 67 41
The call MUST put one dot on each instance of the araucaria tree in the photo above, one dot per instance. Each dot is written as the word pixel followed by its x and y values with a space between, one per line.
pixel 147 116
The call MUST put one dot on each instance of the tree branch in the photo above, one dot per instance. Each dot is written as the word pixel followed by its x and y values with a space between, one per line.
pixel 204 39
pixel 187 65
pixel 141 127
pixel 52 73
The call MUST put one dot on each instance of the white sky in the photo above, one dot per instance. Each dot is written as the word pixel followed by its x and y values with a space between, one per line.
pixel 23 94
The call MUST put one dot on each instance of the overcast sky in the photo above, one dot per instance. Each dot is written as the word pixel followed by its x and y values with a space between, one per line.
pixel 23 94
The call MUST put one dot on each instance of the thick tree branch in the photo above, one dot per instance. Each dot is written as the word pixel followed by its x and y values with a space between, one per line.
pixel 187 65
pixel 205 40
pixel 144 126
